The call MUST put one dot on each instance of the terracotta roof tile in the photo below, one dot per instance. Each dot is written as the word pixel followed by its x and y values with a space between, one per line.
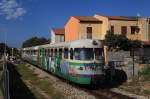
pixel 59 31
pixel 146 43
pixel 87 18
pixel 127 18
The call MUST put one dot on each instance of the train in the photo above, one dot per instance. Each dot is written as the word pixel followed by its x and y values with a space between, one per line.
pixel 79 61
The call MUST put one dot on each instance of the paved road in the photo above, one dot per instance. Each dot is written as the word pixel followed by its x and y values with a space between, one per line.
pixel 18 89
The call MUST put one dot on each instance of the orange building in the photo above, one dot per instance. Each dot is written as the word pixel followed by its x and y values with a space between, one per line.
pixel 96 27
pixel 135 28
pixel 83 27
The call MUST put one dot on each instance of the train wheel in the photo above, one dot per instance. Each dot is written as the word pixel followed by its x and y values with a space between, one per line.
pixel 93 84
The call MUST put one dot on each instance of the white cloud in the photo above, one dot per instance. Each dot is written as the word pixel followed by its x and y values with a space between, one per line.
pixel 11 9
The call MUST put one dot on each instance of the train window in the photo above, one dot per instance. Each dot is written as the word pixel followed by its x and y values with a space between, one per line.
pixel 52 52
pixel 98 53
pixel 55 53
pixel 71 53
pixel 48 52
pixel 31 52
pixel 45 52
pixel 36 52
pixel 84 53
pixel 66 53
pixel 40 52
pixel 60 53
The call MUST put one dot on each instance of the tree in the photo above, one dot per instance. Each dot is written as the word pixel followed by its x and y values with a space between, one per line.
pixel 135 43
pixel 34 41
pixel 4 47
pixel 120 42
pixel 110 40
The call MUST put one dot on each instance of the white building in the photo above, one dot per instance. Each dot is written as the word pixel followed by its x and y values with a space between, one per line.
pixel 57 35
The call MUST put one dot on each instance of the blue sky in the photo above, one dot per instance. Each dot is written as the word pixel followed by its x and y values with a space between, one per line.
pixel 22 19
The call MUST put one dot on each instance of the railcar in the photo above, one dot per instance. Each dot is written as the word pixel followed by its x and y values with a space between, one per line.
pixel 80 61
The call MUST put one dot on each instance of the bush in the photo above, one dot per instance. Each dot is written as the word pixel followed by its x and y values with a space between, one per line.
pixel 120 42
pixel 146 71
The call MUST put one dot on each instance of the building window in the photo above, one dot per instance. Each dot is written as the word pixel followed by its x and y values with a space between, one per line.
pixel 133 29
pixel 124 30
pixel 89 32
pixel 148 19
pixel 112 29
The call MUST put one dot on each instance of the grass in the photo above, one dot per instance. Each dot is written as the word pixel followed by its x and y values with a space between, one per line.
pixel 44 84
pixel 139 85
pixel 146 73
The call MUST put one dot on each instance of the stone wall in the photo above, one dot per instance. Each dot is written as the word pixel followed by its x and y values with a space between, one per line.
pixel 123 61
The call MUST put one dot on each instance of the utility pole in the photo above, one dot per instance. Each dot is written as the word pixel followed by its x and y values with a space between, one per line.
pixel 133 61
pixel 12 52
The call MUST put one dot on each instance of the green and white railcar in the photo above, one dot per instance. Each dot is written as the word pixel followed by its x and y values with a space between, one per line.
pixel 80 61
pixel 30 54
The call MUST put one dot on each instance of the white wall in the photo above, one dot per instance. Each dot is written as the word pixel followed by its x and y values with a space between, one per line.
pixel 52 36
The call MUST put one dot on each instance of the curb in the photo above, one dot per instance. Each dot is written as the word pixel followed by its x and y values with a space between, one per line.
pixel 129 94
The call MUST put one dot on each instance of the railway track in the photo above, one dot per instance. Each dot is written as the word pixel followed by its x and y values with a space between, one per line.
pixel 100 93
pixel 107 94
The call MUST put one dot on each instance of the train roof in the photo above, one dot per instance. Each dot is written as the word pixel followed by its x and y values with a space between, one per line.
pixel 33 48
pixel 84 43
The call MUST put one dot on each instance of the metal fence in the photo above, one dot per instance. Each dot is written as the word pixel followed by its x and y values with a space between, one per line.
pixel 143 54
pixel 5 82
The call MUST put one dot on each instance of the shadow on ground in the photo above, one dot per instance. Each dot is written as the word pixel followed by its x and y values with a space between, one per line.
pixel 114 79
pixel 18 89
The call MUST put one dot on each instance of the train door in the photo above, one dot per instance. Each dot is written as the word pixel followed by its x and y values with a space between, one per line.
pixel 59 58
pixel 52 67
pixel 42 57
pixel 38 57
pixel 56 60
pixel 64 62
pixel 47 58
pixel 45 62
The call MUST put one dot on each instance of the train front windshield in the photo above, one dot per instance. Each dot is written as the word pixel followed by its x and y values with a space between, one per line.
pixel 87 53
pixel 84 54
pixel 98 53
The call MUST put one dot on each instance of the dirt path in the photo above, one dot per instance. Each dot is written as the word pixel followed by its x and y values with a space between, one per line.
pixel 31 86
pixel 69 91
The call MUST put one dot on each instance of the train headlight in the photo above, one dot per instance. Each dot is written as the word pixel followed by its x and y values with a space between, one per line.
pixel 81 68
pixel 94 42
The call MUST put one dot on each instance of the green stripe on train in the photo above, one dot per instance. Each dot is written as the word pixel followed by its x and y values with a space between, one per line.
pixel 81 64
pixel 80 80
pixel 75 78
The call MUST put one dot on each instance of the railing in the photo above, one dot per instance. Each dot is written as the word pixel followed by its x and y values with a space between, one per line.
pixel 5 81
